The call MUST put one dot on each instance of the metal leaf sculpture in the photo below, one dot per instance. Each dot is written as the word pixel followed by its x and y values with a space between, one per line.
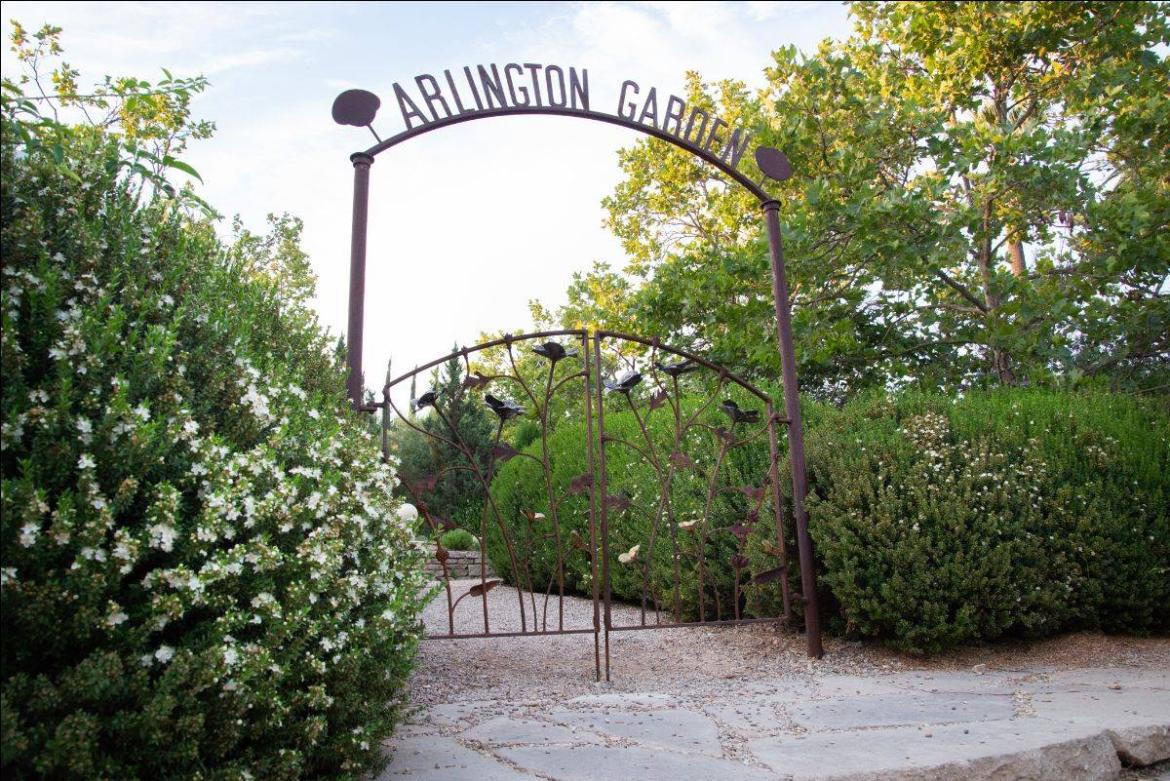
pixel 617 502
pixel 425 400
pixel 532 515
pixel 476 381
pixel 739 530
pixel 441 554
pixel 355 107
pixel 581 483
pixel 770 549
pixel 554 351
pixel 480 589
pixel 624 384
pixel 752 492
pixel 658 399
pixel 725 435
pixel 503 451
pixel 738 415
pixel 681 460
pixel 739 561
pixel 770 576
pixel 631 555
pixel 505 409
pixel 677 369
pixel 578 542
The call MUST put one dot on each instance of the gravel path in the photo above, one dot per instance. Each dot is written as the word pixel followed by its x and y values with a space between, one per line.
pixel 729 702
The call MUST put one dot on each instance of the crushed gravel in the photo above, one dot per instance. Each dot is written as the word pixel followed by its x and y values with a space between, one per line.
pixel 694 664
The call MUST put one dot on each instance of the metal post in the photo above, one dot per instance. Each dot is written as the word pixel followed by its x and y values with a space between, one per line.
pixel 808 578
pixel 357 275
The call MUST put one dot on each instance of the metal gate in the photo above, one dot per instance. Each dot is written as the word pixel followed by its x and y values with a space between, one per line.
pixel 572 523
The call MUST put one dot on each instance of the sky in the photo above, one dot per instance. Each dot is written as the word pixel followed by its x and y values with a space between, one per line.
pixel 467 224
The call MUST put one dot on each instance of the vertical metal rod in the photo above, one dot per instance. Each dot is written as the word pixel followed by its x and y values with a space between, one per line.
pixel 592 504
pixel 386 416
pixel 357 275
pixel 808 578
pixel 774 477
pixel 603 488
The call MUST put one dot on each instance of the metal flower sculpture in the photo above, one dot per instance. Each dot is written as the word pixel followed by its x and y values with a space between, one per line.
pixel 738 415
pixel 625 383
pixel 677 369
pixel 425 400
pixel 506 409
pixel 554 351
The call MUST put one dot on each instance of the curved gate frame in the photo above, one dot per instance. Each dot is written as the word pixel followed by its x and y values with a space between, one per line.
pixel 766 156
pixel 667 458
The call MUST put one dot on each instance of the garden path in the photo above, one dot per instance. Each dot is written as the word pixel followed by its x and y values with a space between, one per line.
pixel 745 703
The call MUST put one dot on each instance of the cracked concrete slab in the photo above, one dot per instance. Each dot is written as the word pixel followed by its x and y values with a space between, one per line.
pixel 887 710
pixel 436 758
pixel 600 763
pixel 672 730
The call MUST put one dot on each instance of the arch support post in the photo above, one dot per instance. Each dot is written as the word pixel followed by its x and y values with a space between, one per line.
pixel 357 276
pixel 808 578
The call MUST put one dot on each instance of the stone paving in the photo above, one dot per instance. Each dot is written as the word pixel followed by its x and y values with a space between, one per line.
pixel 1037 724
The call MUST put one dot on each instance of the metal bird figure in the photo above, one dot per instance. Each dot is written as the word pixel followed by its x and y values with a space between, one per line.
pixel 625 383
pixel 554 351
pixel 506 409
pixel 677 369
pixel 425 400
pixel 738 415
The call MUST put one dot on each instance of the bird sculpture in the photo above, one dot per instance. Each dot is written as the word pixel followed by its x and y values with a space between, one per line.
pixel 738 415
pixel 625 383
pixel 425 400
pixel 506 409
pixel 554 351
pixel 677 369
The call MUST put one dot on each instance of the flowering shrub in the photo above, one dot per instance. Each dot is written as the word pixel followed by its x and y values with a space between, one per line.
pixel 938 522
pixel 203 572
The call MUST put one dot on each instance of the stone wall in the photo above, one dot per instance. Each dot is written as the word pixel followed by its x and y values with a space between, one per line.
pixel 460 564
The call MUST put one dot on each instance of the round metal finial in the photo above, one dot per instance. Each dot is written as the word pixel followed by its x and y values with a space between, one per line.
pixel 773 163
pixel 355 107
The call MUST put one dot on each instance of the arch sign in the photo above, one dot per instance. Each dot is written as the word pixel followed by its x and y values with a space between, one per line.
pixel 429 102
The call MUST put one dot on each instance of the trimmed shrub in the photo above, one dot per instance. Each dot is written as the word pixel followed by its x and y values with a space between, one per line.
pixel 520 493
pixel 203 573
pixel 459 539
pixel 938 522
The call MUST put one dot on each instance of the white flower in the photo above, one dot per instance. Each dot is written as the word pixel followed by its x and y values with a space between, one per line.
pixel 164 653
pixel 85 462
pixel 117 616
pixel 29 533
pixel 407 513
pixel 85 430
pixel 230 656
pixel 163 536
pixel 6 575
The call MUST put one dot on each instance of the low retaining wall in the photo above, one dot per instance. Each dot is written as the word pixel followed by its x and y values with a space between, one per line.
pixel 460 564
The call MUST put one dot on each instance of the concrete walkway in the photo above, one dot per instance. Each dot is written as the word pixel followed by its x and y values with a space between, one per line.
pixel 1062 724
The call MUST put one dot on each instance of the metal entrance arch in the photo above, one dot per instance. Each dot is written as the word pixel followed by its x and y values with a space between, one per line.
pixel 703 437
pixel 356 107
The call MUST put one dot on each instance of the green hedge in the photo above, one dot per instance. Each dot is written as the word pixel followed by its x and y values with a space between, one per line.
pixel 203 576
pixel 459 539
pixel 519 489
pixel 1014 512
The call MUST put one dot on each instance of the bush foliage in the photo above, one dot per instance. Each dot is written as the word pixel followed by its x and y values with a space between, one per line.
pixel 459 539
pixel 519 491
pixel 203 576
pixel 938 522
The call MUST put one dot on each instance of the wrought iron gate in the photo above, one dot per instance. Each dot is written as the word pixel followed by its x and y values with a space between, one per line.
pixel 578 532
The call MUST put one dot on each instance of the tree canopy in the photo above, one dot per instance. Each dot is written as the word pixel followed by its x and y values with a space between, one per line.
pixel 981 196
